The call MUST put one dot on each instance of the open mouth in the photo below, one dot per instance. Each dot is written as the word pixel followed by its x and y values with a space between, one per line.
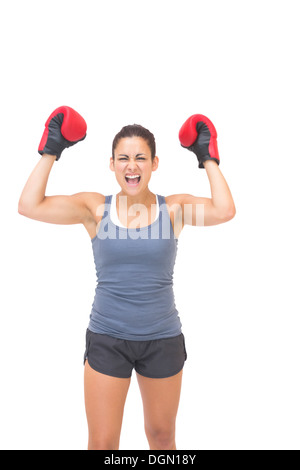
pixel 133 180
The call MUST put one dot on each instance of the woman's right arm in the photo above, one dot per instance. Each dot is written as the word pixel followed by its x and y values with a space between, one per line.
pixel 33 203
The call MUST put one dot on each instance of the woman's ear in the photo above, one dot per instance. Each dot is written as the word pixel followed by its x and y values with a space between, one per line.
pixel 155 163
pixel 112 164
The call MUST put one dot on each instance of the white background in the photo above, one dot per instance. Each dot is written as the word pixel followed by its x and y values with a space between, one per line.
pixel 156 63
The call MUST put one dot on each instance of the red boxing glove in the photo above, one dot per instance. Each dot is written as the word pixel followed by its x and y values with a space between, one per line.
pixel 198 134
pixel 64 128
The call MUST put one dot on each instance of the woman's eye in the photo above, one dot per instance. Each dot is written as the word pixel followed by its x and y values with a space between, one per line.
pixel 138 158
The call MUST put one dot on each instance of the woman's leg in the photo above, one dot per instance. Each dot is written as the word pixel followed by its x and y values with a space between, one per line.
pixel 105 398
pixel 161 400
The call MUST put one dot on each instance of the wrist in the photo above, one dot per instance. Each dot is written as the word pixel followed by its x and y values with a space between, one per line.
pixel 209 163
pixel 49 158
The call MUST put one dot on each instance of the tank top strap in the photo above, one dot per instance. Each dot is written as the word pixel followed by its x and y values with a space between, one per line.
pixel 107 206
pixel 162 203
pixel 166 228
pixel 108 202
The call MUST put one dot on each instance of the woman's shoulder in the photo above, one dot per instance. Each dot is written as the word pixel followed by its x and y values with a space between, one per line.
pixel 94 199
pixel 173 199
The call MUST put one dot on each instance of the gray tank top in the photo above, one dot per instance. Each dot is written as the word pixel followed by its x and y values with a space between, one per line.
pixel 134 297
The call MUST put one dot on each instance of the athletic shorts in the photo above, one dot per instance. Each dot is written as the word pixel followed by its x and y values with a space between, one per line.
pixel 156 359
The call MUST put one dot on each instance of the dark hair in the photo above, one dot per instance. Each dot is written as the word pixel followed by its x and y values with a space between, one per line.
pixel 135 130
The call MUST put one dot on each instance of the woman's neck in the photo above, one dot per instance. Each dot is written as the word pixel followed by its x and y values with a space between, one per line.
pixel 146 198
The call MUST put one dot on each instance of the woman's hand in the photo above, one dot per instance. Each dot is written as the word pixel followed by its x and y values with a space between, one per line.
pixel 64 128
pixel 198 134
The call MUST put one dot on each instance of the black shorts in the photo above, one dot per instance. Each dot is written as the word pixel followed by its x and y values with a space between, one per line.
pixel 156 359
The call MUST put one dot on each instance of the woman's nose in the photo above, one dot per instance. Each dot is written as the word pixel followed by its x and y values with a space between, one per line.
pixel 132 163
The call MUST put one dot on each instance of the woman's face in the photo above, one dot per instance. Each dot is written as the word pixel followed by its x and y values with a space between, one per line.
pixel 133 165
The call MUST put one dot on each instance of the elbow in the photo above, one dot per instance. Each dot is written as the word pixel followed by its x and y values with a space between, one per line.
pixel 230 213
pixel 23 209
pixel 28 209
pixel 227 214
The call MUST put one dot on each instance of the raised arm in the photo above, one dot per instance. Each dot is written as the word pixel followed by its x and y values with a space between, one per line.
pixel 52 209
pixel 201 211
pixel 199 135
pixel 64 128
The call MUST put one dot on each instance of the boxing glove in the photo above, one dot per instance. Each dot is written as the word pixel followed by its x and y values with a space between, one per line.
pixel 64 128
pixel 199 135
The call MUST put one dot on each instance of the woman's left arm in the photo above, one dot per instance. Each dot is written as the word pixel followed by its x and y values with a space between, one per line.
pixel 201 211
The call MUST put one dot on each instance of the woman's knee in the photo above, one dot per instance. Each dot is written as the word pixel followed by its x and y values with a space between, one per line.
pixel 104 443
pixel 161 437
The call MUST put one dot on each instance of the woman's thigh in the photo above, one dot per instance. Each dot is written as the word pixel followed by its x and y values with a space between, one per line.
pixel 161 401
pixel 105 398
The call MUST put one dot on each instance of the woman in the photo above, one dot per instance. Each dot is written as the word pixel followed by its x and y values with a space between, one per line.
pixel 134 322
